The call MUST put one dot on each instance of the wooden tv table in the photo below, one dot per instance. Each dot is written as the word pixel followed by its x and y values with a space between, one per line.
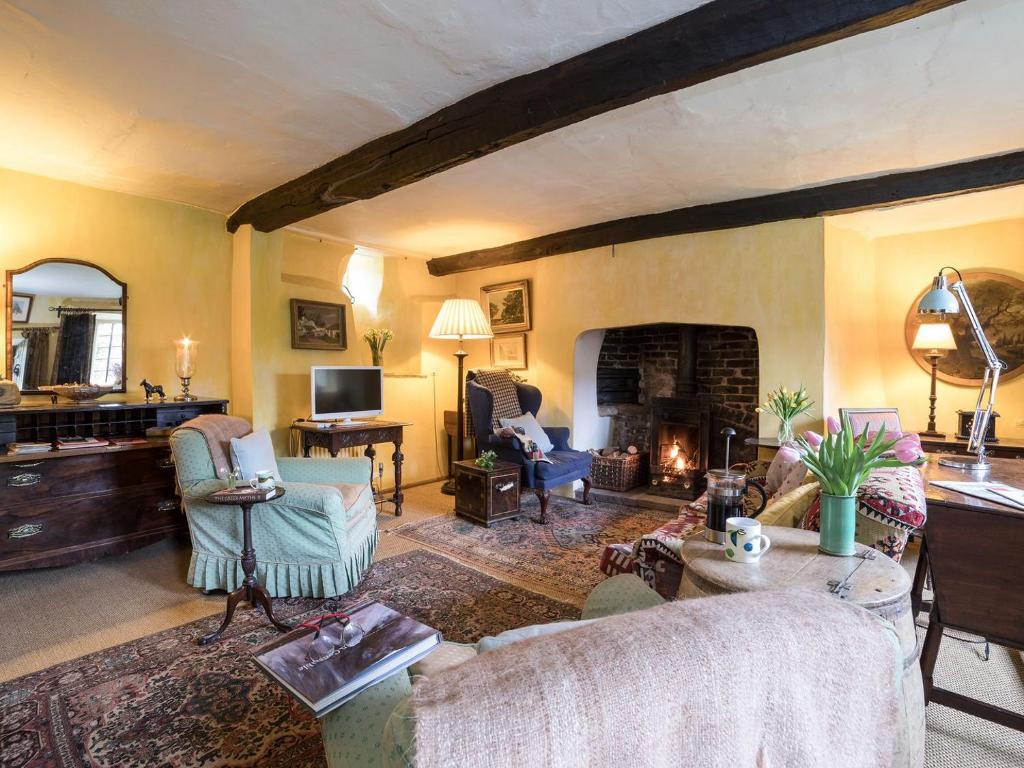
pixel 369 433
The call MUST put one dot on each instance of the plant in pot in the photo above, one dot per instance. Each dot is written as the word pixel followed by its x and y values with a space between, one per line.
pixel 786 406
pixel 842 462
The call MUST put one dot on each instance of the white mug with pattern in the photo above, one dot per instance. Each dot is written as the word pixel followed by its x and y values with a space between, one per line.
pixel 744 542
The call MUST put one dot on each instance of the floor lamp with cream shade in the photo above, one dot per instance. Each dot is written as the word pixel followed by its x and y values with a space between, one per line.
pixel 460 319
pixel 933 340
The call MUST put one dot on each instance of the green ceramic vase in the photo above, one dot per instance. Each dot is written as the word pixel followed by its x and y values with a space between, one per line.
pixel 838 525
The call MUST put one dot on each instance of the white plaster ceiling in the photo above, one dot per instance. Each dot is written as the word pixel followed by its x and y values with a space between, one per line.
pixel 213 103
pixel 941 88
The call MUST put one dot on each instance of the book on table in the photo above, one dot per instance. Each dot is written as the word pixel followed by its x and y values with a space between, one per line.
pixel 1000 493
pixel 20 448
pixel 128 441
pixel 244 491
pixel 75 441
pixel 391 642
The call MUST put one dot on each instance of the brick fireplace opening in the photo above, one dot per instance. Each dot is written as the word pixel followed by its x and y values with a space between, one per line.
pixel 670 389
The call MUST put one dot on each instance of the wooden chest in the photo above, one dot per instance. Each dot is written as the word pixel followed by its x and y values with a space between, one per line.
pixel 485 496
pixel 60 508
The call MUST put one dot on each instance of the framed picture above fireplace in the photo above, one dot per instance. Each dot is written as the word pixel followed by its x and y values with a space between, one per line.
pixel 507 306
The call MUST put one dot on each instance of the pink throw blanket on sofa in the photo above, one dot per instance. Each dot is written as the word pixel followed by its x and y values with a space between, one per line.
pixel 218 430
pixel 777 681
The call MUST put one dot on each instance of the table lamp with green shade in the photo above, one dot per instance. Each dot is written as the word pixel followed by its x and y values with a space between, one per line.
pixel 460 319
pixel 945 299
pixel 933 340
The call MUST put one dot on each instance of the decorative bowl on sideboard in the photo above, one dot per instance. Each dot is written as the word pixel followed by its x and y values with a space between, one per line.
pixel 79 393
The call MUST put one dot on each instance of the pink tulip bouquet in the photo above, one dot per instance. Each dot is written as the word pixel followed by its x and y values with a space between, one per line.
pixel 842 461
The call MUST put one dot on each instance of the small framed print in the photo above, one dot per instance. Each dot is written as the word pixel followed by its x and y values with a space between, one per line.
pixel 507 306
pixel 21 307
pixel 318 325
pixel 509 351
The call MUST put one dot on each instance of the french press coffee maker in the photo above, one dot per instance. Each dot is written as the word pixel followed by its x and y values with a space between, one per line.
pixel 726 492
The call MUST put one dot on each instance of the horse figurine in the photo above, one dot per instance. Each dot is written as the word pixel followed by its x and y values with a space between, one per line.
pixel 153 389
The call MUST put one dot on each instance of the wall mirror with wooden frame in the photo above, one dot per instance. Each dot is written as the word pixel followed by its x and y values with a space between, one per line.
pixel 65 324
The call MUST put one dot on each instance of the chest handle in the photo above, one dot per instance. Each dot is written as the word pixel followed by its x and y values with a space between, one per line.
pixel 24 480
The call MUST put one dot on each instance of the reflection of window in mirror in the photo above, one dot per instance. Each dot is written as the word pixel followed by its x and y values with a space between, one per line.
pixel 106 350
pixel 18 362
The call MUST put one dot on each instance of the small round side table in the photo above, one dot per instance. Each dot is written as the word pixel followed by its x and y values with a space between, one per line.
pixel 868 579
pixel 250 591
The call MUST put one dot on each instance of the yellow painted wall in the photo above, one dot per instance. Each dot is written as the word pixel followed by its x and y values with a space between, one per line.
pixel 769 278
pixel 393 292
pixel 904 266
pixel 175 259
pixel 853 367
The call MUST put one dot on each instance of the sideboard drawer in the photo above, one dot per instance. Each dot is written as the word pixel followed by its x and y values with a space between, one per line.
pixel 38 479
pixel 57 531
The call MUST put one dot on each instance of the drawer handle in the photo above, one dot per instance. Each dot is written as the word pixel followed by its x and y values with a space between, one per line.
pixel 165 463
pixel 24 531
pixel 28 466
pixel 506 486
pixel 24 480
pixel 166 505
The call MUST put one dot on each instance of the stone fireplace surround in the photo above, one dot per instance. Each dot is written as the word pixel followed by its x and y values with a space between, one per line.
pixel 644 369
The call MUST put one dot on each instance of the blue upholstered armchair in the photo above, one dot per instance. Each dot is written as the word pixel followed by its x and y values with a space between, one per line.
pixel 568 465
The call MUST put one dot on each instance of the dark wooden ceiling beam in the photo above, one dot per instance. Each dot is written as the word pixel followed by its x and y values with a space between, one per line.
pixel 841 197
pixel 712 40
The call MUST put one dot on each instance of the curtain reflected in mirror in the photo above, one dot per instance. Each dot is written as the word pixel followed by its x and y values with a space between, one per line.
pixel 72 331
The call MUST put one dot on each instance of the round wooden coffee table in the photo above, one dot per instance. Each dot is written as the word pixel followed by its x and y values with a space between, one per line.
pixel 868 579
pixel 251 590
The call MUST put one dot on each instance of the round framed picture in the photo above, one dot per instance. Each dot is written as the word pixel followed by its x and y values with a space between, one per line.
pixel 999 302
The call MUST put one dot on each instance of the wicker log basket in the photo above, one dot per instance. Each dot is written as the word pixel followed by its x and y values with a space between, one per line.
pixel 620 471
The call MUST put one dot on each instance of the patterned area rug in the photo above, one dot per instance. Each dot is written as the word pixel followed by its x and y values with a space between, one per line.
pixel 163 700
pixel 560 558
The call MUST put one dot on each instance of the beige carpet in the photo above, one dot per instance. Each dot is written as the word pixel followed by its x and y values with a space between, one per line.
pixel 53 615
pixel 56 614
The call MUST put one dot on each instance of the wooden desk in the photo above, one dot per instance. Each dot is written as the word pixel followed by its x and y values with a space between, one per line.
pixel 368 433
pixel 973 548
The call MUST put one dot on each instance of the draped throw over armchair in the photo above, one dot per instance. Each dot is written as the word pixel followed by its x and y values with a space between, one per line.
pixel 316 541
pixel 493 395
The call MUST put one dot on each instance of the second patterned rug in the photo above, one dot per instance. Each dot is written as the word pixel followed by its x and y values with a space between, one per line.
pixel 559 559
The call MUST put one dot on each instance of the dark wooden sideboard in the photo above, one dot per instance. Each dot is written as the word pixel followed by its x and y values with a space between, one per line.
pixel 65 507
pixel 1006 448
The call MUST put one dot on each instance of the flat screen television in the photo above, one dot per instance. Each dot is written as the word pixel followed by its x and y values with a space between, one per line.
pixel 346 391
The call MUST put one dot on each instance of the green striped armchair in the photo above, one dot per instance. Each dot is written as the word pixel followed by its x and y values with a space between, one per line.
pixel 316 541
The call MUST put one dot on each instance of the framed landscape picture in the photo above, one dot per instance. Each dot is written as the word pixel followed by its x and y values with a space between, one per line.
pixel 507 306
pixel 318 325
pixel 509 351
pixel 21 307
pixel 999 301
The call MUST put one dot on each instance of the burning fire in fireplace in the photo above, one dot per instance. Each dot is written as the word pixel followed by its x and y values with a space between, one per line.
pixel 676 458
